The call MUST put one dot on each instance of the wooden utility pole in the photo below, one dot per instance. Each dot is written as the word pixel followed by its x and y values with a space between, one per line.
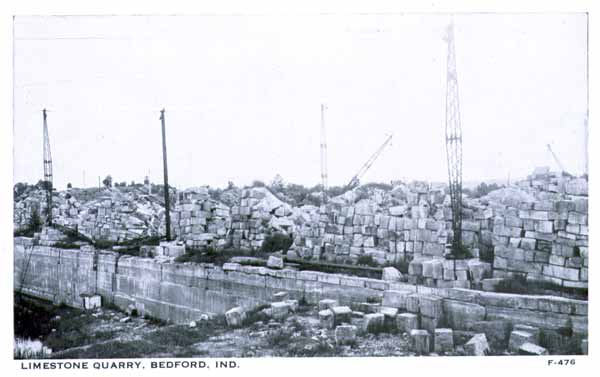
pixel 166 176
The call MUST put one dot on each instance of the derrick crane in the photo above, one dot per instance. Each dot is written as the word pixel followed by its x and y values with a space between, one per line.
pixel 47 171
pixel 454 142
pixel 356 179
pixel 560 166
pixel 323 155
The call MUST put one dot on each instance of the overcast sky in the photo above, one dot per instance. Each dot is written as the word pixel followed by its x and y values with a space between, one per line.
pixel 242 96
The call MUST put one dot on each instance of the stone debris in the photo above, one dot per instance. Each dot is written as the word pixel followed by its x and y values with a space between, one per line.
pixel 532 349
pixel 235 316
pixel 192 325
pixel 345 335
pixel 420 341
pixel 477 346
pixel 407 322
pixel 443 340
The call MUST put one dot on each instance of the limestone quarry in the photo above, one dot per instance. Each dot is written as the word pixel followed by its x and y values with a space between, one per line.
pixel 369 268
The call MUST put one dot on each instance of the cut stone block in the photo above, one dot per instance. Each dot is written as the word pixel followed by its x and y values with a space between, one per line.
pixel 518 338
pixel 235 316
pixel 92 301
pixel 431 306
pixel 373 323
pixel 327 304
pixel 395 299
pixel 415 268
pixel 431 323
pixel 345 335
pixel 443 340
pixel 280 309
pixel 460 314
pixel 420 341
pixel 341 314
pixel 497 331
pixel 391 274
pixel 412 303
pixel 281 296
pixel 407 322
pixel 389 317
pixel 532 349
pixel 293 305
pixel 530 329
pixel 326 319
pixel 275 262
pixel 433 269
pixel 477 346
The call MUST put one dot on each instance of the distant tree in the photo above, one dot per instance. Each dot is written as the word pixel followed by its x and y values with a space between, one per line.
pixel 277 184
pixel 257 183
pixel 146 180
pixel 107 182
pixel 230 185
pixel 123 184
pixel 19 189
pixel 69 185
pixel 132 183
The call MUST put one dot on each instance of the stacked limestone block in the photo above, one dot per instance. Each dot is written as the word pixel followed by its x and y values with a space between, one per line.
pixel 110 215
pixel 409 222
pixel 545 238
pixel 259 213
pixel 448 273
pixel 201 222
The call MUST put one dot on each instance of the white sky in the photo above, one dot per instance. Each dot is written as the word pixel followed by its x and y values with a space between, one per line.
pixel 243 93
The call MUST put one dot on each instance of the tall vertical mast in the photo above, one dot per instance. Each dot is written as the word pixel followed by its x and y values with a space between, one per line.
pixel 47 171
pixel 323 155
pixel 454 142
pixel 166 177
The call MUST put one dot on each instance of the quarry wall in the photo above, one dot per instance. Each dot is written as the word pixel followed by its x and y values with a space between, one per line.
pixel 182 292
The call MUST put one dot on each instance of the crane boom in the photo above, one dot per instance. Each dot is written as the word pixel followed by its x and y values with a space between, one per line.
pixel 562 169
pixel 367 165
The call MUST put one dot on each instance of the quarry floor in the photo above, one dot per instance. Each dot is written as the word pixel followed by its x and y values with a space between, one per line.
pixel 109 333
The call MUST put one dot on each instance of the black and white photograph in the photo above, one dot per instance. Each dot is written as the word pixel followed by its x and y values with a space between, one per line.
pixel 313 185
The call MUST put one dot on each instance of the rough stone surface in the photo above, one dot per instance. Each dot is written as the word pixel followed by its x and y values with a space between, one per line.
pixel 518 338
pixel 407 322
pixel 420 341
pixel 326 319
pixel 327 304
pixel 341 314
pixel 275 262
pixel 345 335
pixel 443 340
pixel 280 309
pixel 460 314
pixel 373 323
pixel 477 346
pixel 391 274
pixel 235 316
pixel 532 349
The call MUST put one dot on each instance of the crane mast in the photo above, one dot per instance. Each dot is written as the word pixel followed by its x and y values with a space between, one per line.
pixel 454 143
pixel 47 171
pixel 323 155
